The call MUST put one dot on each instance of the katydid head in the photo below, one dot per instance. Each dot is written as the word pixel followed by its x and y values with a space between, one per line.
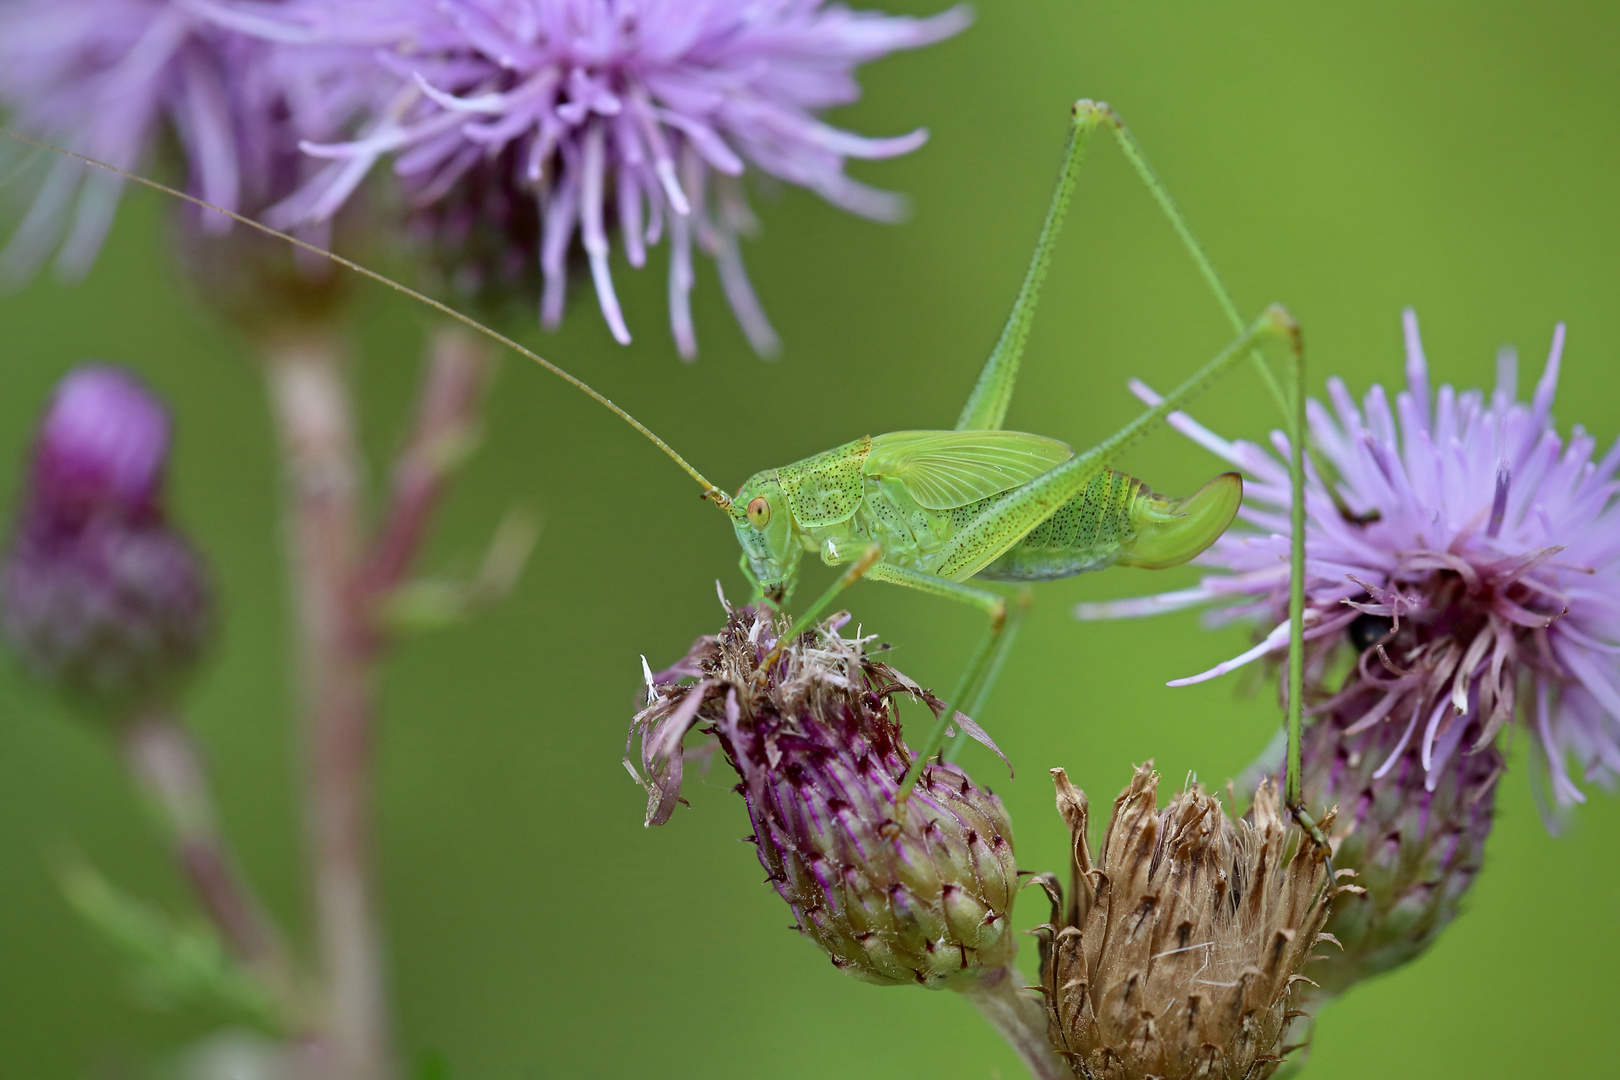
pixel 764 524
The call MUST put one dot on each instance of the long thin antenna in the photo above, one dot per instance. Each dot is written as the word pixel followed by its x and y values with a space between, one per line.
pixel 710 492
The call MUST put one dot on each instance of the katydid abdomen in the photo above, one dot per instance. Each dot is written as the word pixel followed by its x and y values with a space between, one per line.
pixel 1118 520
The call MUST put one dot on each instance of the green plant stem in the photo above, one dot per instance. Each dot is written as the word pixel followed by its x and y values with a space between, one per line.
pixel 1020 1019
pixel 335 652
pixel 167 770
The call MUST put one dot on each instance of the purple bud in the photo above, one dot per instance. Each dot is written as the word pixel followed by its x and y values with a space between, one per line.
pixel 101 598
pixel 101 448
pixel 897 893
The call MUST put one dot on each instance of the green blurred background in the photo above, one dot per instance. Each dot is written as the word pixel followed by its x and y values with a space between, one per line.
pixel 1345 159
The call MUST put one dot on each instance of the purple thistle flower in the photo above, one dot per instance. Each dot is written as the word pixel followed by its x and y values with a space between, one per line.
pixel 101 598
pixel 110 78
pixel 648 112
pixel 1463 554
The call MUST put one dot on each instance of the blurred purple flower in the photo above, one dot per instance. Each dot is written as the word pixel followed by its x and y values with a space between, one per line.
pixel 649 110
pixel 101 598
pixel 101 449
pixel 108 78
pixel 1466 554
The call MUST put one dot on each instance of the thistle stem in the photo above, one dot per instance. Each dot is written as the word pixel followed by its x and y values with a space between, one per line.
pixel 336 647
pixel 445 428
pixel 1019 1019
pixel 167 769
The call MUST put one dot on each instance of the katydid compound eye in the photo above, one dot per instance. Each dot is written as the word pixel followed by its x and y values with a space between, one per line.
pixel 759 512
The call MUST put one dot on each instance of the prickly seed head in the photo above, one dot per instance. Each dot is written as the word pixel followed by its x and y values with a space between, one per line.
pixel 895 895
pixel 101 598
pixel 1179 952
pixel 1415 850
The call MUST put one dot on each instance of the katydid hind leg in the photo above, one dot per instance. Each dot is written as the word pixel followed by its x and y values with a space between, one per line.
pixel 1015 514
pixel 986 406
pixel 1296 581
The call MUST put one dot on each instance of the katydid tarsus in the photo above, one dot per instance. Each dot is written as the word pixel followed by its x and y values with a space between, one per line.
pixel 936 510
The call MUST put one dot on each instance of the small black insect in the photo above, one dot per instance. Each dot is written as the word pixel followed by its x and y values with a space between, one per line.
pixel 1369 630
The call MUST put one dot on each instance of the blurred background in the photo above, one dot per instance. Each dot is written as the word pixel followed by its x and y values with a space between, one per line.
pixel 1346 160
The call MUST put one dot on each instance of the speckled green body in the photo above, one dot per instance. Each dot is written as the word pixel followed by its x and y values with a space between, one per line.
pixel 1088 532
pixel 839 502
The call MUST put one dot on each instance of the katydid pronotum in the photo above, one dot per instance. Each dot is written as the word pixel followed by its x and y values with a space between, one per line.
pixel 930 510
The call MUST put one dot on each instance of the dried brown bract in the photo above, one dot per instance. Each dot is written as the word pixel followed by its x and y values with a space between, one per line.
pixel 1179 953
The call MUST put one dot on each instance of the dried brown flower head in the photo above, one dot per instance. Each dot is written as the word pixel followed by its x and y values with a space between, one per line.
pixel 1179 953
pixel 895 895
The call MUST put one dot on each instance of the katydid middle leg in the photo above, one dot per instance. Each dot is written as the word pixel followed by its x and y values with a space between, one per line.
pixel 857 570
pixel 985 657
pixel 1022 598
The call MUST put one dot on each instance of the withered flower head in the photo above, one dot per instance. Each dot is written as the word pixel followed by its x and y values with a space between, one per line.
pixel 912 894
pixel 1179 953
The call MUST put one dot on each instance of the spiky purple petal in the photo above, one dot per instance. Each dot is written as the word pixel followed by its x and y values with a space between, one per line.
pixel 1466 552
pixel 626 114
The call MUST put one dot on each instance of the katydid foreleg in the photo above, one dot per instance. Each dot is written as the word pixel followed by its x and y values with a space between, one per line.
pixel 857 570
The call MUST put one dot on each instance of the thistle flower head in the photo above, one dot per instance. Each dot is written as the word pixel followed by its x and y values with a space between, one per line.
pixel 1416 849
pixel 111 79
pixel 1462 557
pixel 641 113
pixel 896 894
pixel 99 596
pixel 1179 952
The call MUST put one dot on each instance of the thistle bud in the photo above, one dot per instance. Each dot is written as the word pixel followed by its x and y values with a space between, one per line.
pixel 915 892
pixel 101 598
pixel 1179 953
pixel 1414 837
